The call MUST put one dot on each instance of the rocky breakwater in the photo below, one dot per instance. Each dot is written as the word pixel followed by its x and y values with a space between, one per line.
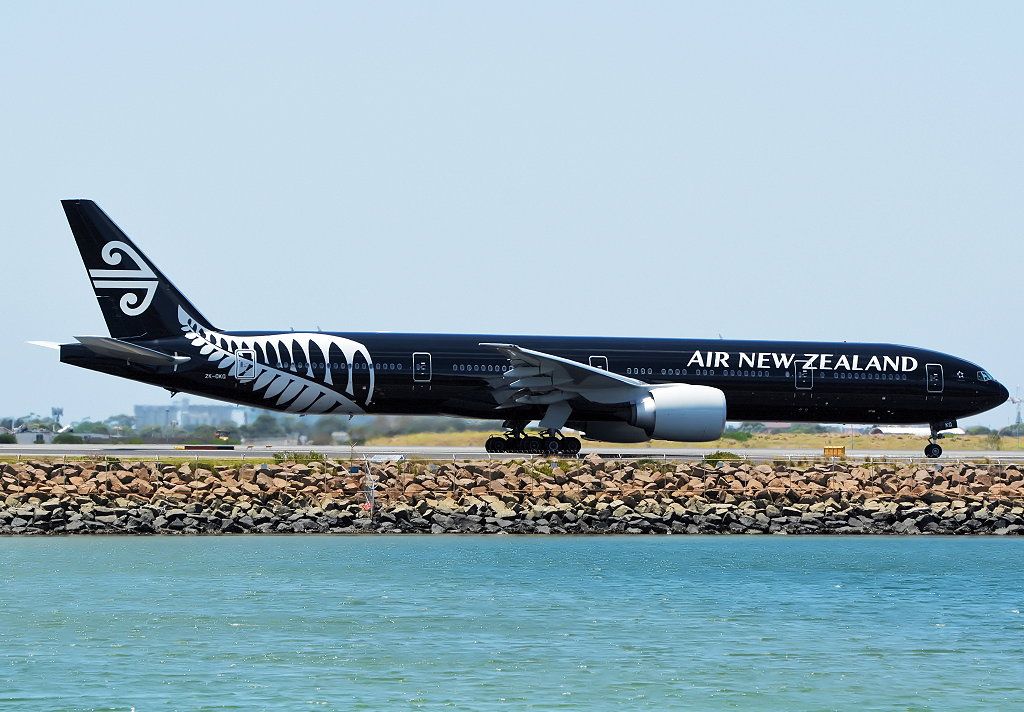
pixel 589 496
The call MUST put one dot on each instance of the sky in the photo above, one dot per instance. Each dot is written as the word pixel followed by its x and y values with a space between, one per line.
pixel 818 171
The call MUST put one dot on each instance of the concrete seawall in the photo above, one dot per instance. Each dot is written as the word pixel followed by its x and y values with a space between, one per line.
pixel 589 496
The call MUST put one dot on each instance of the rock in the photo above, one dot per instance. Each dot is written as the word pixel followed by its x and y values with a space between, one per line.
pixel 590 495
pixel 414 490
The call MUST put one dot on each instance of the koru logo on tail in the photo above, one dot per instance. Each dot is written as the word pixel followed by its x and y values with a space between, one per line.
pixel 139 282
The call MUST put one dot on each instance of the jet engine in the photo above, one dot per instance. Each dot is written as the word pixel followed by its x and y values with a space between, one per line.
pixel 681 412
pixel 678 412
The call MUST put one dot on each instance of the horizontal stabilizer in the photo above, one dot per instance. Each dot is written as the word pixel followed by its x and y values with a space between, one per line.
pixel 114 348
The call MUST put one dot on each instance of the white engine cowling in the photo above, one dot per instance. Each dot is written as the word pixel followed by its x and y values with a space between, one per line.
pixel 612 431
pixel 681 412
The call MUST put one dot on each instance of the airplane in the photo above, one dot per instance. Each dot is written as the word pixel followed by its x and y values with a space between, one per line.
pixel 613 389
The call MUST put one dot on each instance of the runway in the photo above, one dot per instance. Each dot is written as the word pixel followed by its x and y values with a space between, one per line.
pixel 366 452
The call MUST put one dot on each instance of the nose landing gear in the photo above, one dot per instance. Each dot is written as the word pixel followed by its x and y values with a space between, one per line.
pixel 933 449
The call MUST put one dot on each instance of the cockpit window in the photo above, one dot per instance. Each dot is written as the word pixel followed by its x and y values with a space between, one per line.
pixel 985 376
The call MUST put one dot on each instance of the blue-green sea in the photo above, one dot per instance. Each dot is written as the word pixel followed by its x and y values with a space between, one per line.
pixel 544 623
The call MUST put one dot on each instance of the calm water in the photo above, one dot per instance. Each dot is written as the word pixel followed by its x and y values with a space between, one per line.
pixel 541 623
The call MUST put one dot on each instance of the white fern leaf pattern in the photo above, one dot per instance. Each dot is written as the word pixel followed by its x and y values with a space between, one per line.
pixel 277 379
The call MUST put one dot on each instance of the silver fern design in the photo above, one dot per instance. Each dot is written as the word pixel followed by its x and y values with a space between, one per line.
pixel 275 374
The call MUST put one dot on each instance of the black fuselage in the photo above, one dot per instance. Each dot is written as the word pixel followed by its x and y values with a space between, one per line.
pixel 158 336
pixel 454 375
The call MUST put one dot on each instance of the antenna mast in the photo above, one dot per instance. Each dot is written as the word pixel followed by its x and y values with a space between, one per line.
pixel 1017 427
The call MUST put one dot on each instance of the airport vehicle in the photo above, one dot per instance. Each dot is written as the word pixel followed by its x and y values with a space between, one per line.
pixel 613 389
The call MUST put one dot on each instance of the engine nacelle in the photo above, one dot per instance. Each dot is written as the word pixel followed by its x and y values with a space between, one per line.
pixel 681 412
pixel 613 431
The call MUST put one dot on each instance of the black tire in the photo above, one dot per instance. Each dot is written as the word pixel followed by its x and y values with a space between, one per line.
pixel 532 444
pixel 552 445
pixel 932 450
pixel 495 444
pixel 571 446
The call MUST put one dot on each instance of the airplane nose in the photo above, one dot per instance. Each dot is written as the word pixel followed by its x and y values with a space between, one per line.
pixel 1001 395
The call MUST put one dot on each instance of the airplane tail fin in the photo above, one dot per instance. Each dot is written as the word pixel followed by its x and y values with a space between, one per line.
pixel 137 300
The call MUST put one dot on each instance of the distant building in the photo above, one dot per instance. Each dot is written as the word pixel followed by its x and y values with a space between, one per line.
pixel 184 414
pixel 34 437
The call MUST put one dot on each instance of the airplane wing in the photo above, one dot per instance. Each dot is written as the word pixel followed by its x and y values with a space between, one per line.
pixel 539 378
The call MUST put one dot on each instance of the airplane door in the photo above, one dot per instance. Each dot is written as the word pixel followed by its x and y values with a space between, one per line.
pixel 804 378
pixel 933 372
pixel 421 367
pixel 245 365
pixel 600 362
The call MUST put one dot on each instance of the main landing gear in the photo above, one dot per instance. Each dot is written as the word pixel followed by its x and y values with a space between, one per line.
pixel 933 449
pixel 516 440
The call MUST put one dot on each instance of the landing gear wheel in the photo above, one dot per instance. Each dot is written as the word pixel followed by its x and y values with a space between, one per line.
pixel 552 445
pixel 571 446
pixel 494 444
pixel 532 444
pixel 932 450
